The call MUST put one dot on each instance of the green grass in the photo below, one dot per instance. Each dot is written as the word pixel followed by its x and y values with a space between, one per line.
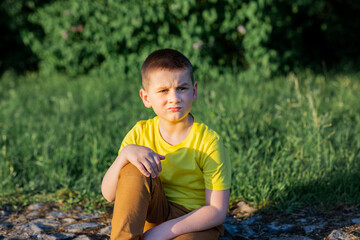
pixel 293 140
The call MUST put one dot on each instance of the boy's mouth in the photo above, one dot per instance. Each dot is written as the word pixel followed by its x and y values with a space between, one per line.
pixel 174 109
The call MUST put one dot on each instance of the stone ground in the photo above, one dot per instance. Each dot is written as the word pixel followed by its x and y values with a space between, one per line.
pixel 47 221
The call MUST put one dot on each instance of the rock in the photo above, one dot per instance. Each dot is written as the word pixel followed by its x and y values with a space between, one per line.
pixel 33 214
pixel 64 236
pixel 5 225
pixel 105 230
pixel 292 238
pixel 45 227
pixel 68 220
pixel 231 229
pixel 340 235
pixel 47 222
pixel 230 220
pixel 356 220
pixel 60 236
pixel 243 209
pixel 252 220
pixel 82 237
pixel 247 232
pixel 33 228
pixel 34 206
pixel 302 220
pixel 46 237
pixel 242 229
pixel 21 218
pixel 30 228
pixel 18 237
pixel 275 228
pixel 56 214
pixel 79 227
pixel 89 216
pixel 310 228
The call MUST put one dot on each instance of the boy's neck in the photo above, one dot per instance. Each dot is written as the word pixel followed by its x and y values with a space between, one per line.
pixel 175 132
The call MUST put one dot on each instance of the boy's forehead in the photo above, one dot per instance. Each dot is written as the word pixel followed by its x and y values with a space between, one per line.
pixel 159 77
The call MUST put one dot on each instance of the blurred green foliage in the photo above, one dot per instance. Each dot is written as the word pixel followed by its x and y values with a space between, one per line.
pixel 76 37
pixel 315 34
pixel 80 36
pixel 292 140
pixel 14 54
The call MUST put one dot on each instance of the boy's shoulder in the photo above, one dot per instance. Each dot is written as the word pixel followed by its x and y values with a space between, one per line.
pixel 206 131
pixel 149 123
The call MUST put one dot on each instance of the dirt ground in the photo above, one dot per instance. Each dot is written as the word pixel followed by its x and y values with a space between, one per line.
pixel 307 223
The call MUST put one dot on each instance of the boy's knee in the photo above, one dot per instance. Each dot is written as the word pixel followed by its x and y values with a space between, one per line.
pixel 130 170
pixel 131 179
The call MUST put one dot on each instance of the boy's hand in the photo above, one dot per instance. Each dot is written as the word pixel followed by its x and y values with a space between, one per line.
pixel 143 158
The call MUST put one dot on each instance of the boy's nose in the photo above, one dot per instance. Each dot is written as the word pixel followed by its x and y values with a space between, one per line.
pixel 174 97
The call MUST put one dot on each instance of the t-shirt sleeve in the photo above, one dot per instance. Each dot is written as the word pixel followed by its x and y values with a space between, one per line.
pixel 131 137
pixel 217 167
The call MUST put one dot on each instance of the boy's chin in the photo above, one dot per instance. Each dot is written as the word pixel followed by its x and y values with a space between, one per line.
pixel 174 118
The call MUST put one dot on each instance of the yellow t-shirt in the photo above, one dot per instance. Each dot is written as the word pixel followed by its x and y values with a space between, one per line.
pixel 198 162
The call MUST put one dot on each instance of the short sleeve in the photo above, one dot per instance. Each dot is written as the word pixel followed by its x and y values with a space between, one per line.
pixel 217 167
pixel 131 137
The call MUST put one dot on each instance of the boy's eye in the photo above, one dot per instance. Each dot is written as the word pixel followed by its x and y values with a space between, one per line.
pixel 163 91
pixel 181 89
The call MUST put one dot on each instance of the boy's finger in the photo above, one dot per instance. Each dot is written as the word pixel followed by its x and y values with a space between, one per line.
pixel 157 163
pixel 149 167
pixel 154 167
pixel 161 156
pixel 142 170
pixel 153 171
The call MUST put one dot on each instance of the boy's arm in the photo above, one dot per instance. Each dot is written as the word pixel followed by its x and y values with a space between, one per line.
pixel 110 180
pixel 147 161
pixel 205 217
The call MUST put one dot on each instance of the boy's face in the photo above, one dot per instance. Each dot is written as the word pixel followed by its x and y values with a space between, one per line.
pixel 170 94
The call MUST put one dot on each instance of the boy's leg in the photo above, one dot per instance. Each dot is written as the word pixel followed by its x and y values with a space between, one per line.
pixel 138 198
pixel 211 234
pixel 214 233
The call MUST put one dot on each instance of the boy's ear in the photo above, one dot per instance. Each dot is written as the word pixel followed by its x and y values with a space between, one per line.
pixel 145 98
pixel 195 91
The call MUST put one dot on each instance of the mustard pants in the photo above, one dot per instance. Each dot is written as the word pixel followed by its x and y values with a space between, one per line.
pixel 141 204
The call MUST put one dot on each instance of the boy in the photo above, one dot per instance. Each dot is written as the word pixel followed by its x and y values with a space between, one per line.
pixel 172 176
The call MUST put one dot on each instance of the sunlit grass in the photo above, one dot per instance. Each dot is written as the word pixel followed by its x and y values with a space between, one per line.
pixel 293 140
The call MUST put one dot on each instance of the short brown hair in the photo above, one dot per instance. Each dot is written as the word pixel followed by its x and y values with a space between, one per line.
pixel 166 59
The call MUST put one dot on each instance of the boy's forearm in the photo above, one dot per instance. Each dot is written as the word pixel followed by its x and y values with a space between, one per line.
pixel 143 158
pixel 200 219
pixel 110 180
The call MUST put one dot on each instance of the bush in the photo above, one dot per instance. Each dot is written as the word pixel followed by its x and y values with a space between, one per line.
pixel 14 54
pixel 314 33
pixel 81 36
pixel 262 35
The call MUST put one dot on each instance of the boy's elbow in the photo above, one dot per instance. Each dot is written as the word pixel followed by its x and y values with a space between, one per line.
pixel 107 196
pixel 221 216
